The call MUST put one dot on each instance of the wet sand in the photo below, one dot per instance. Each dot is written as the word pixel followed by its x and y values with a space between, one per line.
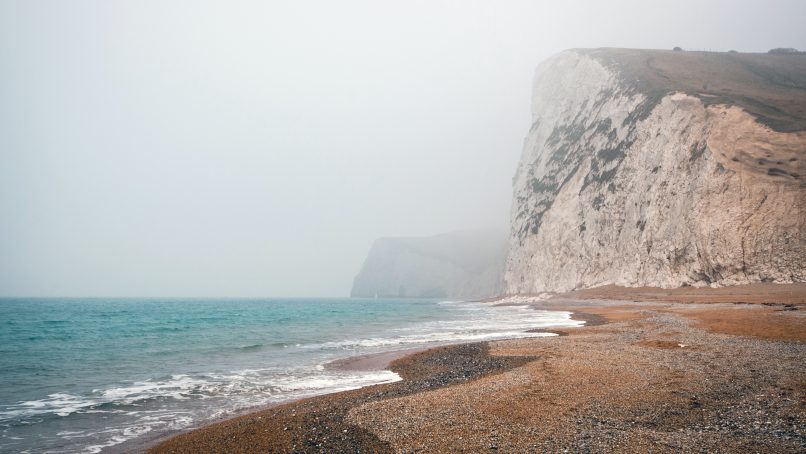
pixel 372 361
pixel 719 372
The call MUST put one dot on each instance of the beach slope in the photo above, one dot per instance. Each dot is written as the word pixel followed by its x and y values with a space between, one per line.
pixel 653 370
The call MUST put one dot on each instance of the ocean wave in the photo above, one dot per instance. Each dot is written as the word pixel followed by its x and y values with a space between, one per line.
pixel 240 389
pixel 60 404
pixel 246 382
pixel 485 323
pixel 446 337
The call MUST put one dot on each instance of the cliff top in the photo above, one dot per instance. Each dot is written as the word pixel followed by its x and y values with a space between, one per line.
pixel 771 87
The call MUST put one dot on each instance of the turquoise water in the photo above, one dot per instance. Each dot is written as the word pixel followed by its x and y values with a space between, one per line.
pixel 86 375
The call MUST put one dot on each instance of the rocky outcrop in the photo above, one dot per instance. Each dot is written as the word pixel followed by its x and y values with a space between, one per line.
pixel 467 264
pixel 653 168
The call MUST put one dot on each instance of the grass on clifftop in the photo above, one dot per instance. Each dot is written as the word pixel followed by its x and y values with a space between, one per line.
pixel 770 87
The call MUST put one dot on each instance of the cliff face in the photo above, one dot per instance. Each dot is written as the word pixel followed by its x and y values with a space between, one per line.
pixel 654 168
pixel 465 264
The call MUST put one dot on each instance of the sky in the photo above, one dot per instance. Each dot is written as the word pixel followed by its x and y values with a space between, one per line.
pixel 257 148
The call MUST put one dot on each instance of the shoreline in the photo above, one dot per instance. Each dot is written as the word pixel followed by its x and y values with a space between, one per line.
pixel 364 362
pixel 383 418
pixel 445 365
pixel 373 361
pixel 368 362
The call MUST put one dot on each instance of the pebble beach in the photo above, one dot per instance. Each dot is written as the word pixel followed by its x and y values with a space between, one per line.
pixel 650 372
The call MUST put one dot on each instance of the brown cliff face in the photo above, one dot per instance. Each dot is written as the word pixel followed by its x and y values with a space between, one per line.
pixel 655 168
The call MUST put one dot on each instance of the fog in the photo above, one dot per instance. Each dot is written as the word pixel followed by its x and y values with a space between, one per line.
pixel 193 148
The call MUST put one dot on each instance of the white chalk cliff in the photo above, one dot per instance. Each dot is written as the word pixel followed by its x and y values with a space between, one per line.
pixel 655 168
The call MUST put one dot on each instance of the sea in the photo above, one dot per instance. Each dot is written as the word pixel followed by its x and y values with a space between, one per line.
pixel 88 375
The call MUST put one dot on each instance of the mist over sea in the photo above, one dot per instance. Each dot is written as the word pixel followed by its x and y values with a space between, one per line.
pixel 81 375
